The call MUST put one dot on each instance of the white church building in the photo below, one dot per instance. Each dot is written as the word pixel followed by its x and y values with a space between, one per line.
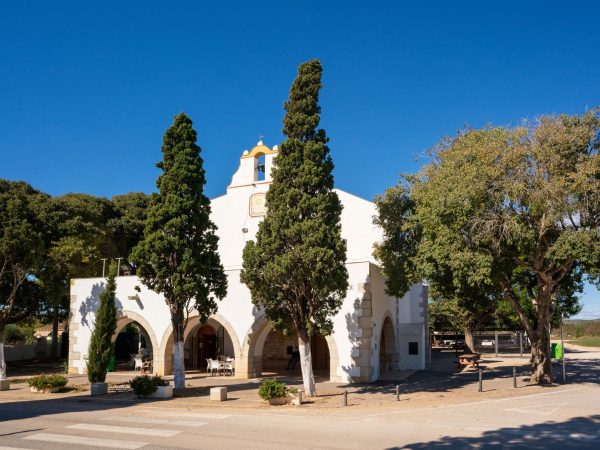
pixel 373 335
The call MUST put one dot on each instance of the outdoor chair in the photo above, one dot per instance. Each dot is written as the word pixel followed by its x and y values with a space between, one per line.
pixel 138 364
pixel 212 365
pixel 146 366
pixel 228 366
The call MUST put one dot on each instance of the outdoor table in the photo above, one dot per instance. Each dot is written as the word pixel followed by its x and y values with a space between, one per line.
pixel 469 359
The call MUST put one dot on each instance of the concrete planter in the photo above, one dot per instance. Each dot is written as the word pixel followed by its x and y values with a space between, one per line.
pixel 162 392
pixel 278 401
pixel 295 399
pixel 99 389
pixel 4 385
pixel 44 391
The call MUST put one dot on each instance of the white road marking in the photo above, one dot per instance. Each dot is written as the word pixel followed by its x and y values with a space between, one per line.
pixel 190 415
pixel 15 448
pixel 124 430
pixel 134 419
pixel 480 402
pixel 84 440
pixel 540 410
pixel 518 397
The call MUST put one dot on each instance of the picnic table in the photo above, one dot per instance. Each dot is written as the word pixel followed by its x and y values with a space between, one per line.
pixel 469 359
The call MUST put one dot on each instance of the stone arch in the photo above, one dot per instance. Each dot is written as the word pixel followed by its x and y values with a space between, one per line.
pixel 164 360
pixel 254 341
pixel 125 317
pixel 388 348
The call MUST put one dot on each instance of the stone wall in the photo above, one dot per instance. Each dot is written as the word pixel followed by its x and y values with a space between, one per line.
pixel 274 354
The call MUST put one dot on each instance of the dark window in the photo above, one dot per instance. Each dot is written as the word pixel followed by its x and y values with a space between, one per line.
pixel 289 350
pixel 413 348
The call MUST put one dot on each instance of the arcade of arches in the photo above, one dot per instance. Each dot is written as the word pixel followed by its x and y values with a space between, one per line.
pixel 266 350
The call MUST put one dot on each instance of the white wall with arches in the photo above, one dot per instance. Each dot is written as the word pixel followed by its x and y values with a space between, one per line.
pixel 353 347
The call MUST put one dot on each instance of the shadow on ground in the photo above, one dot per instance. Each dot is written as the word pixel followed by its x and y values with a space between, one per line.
pixel 34 367
pixel 444 376
pixel 579 432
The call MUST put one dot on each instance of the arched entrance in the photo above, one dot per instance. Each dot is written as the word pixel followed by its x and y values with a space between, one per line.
pixel 133 338
pixel 388 354
pixel 267 351
pixel 212 339
pixel 279 348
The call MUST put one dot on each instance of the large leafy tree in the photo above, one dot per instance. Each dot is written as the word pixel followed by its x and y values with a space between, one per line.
pixel 296 268
pixel 21 252
pixel 514 212
pixel 178 255
pixel 127 226
pixel 77 235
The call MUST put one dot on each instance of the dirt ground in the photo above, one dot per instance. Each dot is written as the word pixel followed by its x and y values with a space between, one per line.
pixel 444 384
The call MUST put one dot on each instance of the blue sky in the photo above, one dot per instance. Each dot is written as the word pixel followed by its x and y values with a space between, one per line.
pixel 87 89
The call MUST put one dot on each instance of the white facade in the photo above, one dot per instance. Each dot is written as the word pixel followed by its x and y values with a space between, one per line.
pixel 368 316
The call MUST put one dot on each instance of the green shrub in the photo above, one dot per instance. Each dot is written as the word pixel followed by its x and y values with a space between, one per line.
pixel 47 381
pixel 13 334
pixel 270 389
pixel 159 381
pixel 144 385
pixel 293 390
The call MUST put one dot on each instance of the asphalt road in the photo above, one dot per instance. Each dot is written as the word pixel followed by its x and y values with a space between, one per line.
pixel 559 417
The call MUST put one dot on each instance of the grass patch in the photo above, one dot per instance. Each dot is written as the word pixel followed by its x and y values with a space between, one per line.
pixel 74 388
pixel 587 341
pixel 19 380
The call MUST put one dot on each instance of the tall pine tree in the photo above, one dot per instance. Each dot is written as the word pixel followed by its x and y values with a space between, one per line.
pixel 101 344
pixel 296 269
pixel 178 254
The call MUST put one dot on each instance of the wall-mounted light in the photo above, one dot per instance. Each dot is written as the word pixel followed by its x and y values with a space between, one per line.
pixel 244 230
pixel 134 297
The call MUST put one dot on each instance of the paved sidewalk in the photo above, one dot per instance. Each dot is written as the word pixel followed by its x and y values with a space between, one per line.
pixel 444 384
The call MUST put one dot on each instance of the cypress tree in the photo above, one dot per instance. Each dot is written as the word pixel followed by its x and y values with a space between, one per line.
pixel 296 269
pixel 101 346
pixel 178 254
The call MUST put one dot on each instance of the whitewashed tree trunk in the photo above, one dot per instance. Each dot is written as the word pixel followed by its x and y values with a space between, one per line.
pixel 2 363
pixel 308 377
pixel 178 354
pixel 178 365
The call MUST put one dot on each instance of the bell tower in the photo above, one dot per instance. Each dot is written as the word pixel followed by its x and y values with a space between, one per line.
pixel 255 166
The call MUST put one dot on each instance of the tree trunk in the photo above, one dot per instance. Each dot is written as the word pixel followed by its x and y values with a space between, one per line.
pixel 541 363
pixel 2 363
pixel 469 344
pixel 178 355
pixel 308 377
pixel 54 344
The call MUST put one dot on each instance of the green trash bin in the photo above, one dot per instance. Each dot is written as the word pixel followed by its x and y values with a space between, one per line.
pixel 111 364
pixel 553 351
pixel 558 350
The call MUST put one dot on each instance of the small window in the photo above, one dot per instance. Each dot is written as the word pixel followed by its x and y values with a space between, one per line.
pixel 289 350
pixel 413 348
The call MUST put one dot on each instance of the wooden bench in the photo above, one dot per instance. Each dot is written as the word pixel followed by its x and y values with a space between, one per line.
pixel 469 359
